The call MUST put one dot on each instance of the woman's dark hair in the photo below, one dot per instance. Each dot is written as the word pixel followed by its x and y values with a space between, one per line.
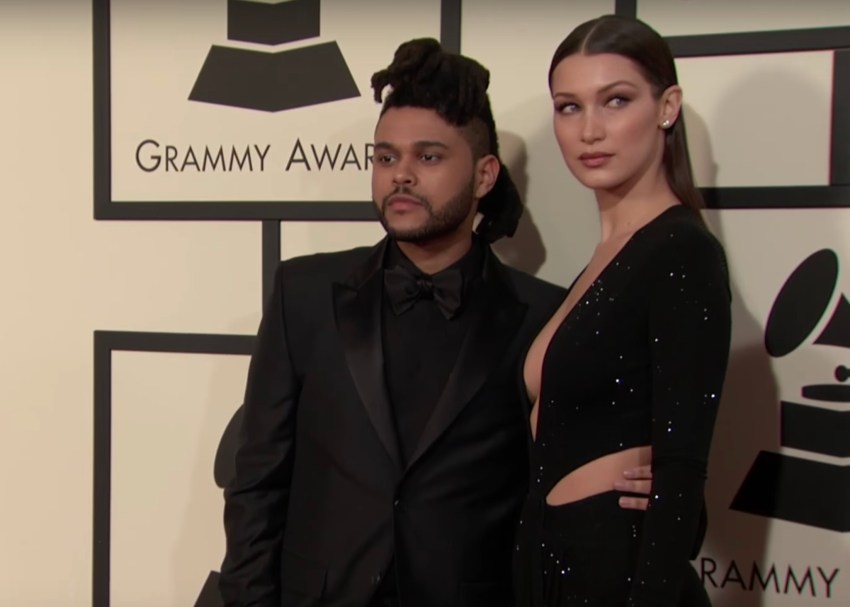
pixel 635 40
pixel 455 87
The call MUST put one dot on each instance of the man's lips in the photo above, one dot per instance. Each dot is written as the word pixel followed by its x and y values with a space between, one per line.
pixel 401 202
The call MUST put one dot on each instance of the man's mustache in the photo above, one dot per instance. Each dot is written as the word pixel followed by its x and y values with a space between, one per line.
pixel 405 191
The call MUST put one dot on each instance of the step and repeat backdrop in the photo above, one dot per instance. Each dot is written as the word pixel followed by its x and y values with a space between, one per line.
pixel 255 118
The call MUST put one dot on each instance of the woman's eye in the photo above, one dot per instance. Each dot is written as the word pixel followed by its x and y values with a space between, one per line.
pixel 618 101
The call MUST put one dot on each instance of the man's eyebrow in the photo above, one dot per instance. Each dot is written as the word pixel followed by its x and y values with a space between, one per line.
pixel 425 143
pixel 430 144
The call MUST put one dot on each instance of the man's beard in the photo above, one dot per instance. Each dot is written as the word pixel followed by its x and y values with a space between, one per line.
pixel 439 223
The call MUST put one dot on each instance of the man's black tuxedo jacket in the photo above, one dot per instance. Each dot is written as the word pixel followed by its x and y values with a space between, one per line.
pixel 321 501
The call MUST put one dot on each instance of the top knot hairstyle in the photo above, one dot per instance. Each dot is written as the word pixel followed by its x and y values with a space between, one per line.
pixel 422 75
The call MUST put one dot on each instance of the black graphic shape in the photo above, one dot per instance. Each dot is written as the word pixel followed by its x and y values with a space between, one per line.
pixel 210 596
pixel 272 23
pixel 798 490
pixel 836 331
pixel 815 429
pixel 801 303
pixel 793 488
pixel 273 82
pixel 828 393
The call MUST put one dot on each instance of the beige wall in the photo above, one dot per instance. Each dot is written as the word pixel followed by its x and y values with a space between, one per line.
pixel 753 121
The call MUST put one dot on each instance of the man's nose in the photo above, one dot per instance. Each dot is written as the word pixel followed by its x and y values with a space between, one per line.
pixel 404 173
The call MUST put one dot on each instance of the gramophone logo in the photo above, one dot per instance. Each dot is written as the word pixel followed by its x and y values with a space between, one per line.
pixel 796 488
pixel 273 81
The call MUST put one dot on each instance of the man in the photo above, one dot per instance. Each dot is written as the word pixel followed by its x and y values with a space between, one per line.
pixel 382 458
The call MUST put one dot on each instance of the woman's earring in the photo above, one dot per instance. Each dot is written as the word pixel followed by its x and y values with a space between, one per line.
pixel 665 124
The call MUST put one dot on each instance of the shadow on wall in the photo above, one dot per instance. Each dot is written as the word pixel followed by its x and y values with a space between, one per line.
pixel 525 250
pixel 703 163
pixel 747 415
pixel 561 227
pixel 189 564
pixel 224 470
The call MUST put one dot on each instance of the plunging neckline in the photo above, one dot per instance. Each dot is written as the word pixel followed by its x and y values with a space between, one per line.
pixel 612 263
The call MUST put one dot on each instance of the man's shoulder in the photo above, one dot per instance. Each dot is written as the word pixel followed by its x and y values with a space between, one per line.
pixel 323 266
pixel 533 290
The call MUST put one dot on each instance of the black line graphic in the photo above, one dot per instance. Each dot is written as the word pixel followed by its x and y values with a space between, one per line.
pixel 839 169
pixel 101 109
pixel 625 8
pixel 837 39
pixel 777 197
pixel 271 255
pixel 105 343
pixel 235 211
pixel 450 16
pixel 752 43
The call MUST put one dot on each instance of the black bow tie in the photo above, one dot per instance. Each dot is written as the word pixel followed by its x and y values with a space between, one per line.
pixel 404 288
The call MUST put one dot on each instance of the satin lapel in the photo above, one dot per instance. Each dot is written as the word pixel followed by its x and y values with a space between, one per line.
pixel 498 316
pixel 357 303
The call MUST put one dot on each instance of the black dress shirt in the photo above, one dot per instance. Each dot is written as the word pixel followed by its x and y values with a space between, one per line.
pixel 421 346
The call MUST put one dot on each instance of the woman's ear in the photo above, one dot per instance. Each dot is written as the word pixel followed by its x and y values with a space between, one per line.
pixel 671 106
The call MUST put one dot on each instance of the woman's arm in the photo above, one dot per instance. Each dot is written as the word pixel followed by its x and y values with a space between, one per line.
pixel 689 335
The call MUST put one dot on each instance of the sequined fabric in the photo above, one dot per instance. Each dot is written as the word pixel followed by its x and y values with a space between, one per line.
pixel 640 360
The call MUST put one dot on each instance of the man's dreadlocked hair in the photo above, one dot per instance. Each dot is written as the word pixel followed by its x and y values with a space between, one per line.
pixel 423 75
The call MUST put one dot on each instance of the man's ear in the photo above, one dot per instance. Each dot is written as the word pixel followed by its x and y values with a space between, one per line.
pixel 486 172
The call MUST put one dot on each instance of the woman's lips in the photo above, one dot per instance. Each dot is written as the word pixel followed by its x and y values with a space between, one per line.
pixel 595 159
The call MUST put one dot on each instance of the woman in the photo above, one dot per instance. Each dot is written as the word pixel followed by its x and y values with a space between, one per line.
pixel 629 369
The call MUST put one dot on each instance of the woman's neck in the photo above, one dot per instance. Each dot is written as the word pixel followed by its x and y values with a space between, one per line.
pixel 623 211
